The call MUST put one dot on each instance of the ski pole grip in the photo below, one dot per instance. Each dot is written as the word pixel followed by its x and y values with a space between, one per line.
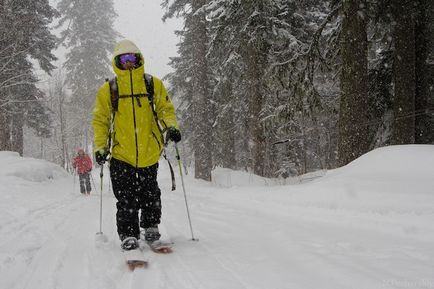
pixel 177 153
pixel 101 174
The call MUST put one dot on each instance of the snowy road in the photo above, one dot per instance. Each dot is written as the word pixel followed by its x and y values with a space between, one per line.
pixel 363 227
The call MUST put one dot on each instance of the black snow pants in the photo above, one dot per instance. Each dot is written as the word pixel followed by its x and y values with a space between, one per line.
pixel 85 187
pixel 135 190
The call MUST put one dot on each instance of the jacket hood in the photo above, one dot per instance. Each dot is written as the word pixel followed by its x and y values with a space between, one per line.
pixel 125 46
pixel 122 47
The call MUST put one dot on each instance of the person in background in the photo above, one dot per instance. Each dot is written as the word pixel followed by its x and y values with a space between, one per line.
pixel 82 163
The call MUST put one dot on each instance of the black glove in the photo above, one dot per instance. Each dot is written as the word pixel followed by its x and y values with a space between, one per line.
pixel 101 156
pixel 173 134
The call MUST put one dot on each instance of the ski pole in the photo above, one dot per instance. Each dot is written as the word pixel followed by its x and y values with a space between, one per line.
pixel 100 237
pixel 101 174
pixel 110 187
pixel 185 194
pixel 75 175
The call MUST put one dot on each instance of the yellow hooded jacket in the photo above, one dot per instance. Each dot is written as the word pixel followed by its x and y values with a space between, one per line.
pixel 136 138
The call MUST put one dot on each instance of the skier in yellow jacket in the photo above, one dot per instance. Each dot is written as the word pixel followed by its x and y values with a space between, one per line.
pixel 132 136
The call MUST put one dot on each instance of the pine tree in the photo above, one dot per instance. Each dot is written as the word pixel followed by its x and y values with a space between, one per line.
pixel 424 121
pixel 202 111
pixel 354 82
pixel 181 87
pixel 302 70
pixel 194 67
pixel 394 51
pixel 231 139
pixel 24 33
pixel 240 42
pixel 404 65
pixel 380 74
pixel 259 47
pixel 89 36
pixel 294 82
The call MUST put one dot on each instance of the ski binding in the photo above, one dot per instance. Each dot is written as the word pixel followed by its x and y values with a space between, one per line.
pixel 135 259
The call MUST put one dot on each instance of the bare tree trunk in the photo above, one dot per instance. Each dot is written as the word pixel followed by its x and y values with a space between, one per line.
pixel 404 72
pixel 41 147
pixel 353 129
pixel 5 134
pixel 64 148
pixel 227 128
pixel 422 119
pixel 256 100
pixel 17 137
pixel 255 60
pixel 201 101
pixel 228 151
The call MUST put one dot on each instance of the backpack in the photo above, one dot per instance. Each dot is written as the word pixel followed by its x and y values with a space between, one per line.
pixel 114 93
pixel 114 96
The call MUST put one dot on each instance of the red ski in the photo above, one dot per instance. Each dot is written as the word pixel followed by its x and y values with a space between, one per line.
pixel 161 247
pixel 133 264
pixel 135 259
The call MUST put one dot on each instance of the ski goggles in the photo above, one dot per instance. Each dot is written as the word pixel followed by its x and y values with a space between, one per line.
pixel 128 57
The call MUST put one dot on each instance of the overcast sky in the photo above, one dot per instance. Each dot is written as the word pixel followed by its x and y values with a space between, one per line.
pixel 140 22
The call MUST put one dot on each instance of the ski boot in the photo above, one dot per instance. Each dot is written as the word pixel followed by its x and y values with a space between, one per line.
pixel 152 237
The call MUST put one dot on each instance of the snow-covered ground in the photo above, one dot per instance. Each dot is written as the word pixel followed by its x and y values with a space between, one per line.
pixel 367 225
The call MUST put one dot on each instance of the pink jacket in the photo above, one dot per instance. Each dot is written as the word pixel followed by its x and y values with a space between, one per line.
pixel 83 164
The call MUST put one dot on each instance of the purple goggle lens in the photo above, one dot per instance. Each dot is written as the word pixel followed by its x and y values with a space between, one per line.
pixel 130 57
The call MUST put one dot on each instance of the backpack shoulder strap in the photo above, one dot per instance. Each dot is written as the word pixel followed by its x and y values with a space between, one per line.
pixel 114 93
pixel 114 98
pixel 149 82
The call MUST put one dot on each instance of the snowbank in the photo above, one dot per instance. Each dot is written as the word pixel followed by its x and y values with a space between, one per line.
pixel 395 177
pixel 29 169
pixel 227 178
pixel 396 162
pixel 392 163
